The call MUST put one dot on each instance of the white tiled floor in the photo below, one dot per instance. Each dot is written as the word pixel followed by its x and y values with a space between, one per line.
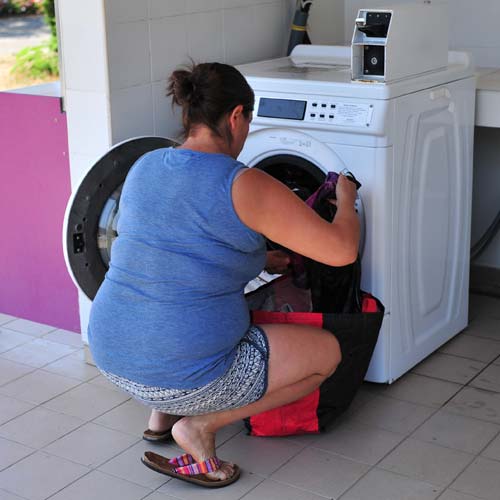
pixel 67 434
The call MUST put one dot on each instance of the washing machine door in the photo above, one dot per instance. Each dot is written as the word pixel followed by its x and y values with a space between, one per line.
pixel 93 210
pixel 298 160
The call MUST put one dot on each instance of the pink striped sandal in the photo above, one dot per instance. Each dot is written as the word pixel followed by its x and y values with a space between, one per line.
pixel 186 469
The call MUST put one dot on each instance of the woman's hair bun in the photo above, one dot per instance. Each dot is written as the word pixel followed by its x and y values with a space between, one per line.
pixel 181 87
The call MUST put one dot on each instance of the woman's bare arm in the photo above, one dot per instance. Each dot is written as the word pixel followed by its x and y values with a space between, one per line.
pixel 267 206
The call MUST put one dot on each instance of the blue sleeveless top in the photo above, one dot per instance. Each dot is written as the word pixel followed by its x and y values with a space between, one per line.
pixel 171 309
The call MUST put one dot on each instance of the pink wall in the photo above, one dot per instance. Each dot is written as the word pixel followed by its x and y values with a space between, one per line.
pixel 34 189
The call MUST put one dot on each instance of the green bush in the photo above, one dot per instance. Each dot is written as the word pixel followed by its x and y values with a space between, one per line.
pixel 20 7
pixel 50 16
pixel 38 61
pixel 41 60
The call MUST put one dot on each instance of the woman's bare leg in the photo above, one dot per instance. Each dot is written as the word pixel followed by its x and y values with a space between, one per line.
pixel 300 359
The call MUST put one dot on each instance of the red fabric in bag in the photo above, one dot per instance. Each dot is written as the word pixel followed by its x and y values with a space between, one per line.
pixel 299 417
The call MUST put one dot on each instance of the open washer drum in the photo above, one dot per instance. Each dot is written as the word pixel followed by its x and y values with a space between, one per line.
pixel 92 212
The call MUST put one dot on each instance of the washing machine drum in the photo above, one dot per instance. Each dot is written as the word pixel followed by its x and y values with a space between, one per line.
pixel 92 212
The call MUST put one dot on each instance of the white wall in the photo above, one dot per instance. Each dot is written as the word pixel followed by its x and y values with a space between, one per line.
pixel 117 55
pixel 326 22
pixel 473 25
pixel 147 40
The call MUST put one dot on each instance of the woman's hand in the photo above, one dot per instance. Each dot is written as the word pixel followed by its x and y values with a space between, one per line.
pixel 345 191
pixel 277 262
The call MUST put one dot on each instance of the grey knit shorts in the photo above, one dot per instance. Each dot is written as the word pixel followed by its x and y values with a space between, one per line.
pixel 244 382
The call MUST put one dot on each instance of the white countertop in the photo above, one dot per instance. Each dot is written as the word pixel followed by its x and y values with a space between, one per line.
pixel 52 89
pixel 488 97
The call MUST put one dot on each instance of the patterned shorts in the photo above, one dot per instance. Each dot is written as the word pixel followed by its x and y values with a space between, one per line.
pixel 245 382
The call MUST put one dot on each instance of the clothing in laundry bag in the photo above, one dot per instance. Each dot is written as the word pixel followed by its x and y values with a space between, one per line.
pixel 177 272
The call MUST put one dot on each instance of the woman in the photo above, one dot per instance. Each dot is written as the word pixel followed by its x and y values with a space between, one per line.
pixel 170 324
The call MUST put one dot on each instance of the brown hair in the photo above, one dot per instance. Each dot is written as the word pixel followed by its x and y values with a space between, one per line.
pixel 207 92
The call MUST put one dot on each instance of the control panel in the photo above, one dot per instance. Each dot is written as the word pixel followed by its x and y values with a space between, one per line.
pixel 316 110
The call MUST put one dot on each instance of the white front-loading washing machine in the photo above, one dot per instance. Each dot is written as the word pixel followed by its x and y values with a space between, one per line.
pixel 410 145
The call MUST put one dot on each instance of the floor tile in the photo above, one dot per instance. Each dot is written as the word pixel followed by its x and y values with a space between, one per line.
pixel 38 386
pixel 131 417
pixel 480 479
pixel 40 475
pixel 271 490
pixel 458 432
pixel 487 328
pixel 455 495
pixel 11 408
pixel 6 318
pixel 5 495
pixel 493 449
pixel 184 491
pixel 102 381
pixel 73 365
pixel 29 327
pixel 127 466
pixel 39 427
pixel 393 415
pixel 159 496
pixel 489 379
pixel 228 432
pixel 451 368
pixel 467 346
pixel 10 339
pixel 384 485
pixel 320 472
pixel 426 462
pixel 359 442
pixel 422 390
pixel 10 370
pixel 482 306
pixel 260 455
pixel 11 452
pixel 91 445
pixel 38 352
pixel 476 403
pixel 99 486
pixel 86 401
pixel 65 337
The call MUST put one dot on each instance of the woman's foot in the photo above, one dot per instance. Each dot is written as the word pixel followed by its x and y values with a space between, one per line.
pixel 161 422
pixel 191 434
pixel 160 427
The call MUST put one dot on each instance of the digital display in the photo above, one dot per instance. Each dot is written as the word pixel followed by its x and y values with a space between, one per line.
pixel 282 108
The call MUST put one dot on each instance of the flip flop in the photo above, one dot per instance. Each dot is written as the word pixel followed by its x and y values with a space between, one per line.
pixel 157 436
pixel 186 469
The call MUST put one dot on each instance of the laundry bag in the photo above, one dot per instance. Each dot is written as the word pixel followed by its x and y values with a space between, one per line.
pixel 357 334
pixel 335 303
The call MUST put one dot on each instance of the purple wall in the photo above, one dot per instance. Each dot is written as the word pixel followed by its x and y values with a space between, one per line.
pixel 34 189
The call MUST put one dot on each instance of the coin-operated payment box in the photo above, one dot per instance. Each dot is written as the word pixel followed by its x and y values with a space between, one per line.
pixel 393 43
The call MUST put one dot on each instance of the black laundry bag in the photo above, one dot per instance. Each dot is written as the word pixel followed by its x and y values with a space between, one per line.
pixel 339 306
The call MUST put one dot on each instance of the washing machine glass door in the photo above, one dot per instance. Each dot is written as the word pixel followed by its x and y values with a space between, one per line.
pixel 93 210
